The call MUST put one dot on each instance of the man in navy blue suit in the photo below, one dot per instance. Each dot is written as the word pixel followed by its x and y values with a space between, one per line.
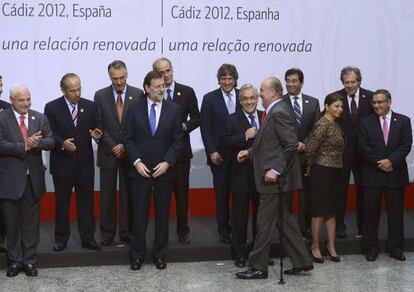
pixel 74 121
pixel 241 130
pixel 357 105
pixel 216 106
pixel 3 105
pixel 385 139
pixel 152 139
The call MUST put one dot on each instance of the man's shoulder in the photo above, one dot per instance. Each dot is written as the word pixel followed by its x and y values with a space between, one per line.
pixel 104 91
pixel 366 92
pixel 183 87
pixel 213 94
pixel 55 102
pixel 134 90
pixel 310 98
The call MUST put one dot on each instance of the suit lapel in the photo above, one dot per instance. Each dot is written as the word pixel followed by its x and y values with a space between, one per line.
pixel 14 126
pixel 66 114
pixel 127 100
pixel 394 123
pixel 32 124
pixel 163 117
pixel 245 123
pixel 110 100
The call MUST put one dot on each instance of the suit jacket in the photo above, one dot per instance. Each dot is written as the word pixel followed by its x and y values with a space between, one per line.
pixel 310 114
pixel 242 176
pixel 350 129
pixel 64 163
pixel 112 128
pixel 166 143
pixel 275 148
pixel 4 105
pixel 373 148
pixel 212 124
pixel 15 161
pixel 185 97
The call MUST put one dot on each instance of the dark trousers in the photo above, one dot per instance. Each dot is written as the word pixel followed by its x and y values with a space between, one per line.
pixel 239 221
pixel 180 187
pixel 108 203
pixel 356 168
pixel 84 206
pixel 304 204
pixel 221 183
pixel 2 227
pixel 267 222
pixel 141 190
pixel 22 225
pixel 394 199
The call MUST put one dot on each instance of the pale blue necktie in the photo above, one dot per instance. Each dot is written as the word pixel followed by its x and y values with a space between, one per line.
pixel 298 113
pixel 253 121
pixel 153 118
pixel 230 104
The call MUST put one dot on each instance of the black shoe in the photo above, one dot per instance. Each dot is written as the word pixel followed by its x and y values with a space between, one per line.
pixel 371 255
pixel 3 248
pixel 335 259
pixel 340 233
pixel 271 263
pixel 59 247
pixel 224 237
pixel 126 239
pixel 295 271
pixel 30 270
pixel 398 255
pixel 136 264
pixel 184 238
pixel 91 244
pixel 160 264
pixel 251 274
pixel 13 270
pixel 320 260
pixel 240 262
pixel 107 241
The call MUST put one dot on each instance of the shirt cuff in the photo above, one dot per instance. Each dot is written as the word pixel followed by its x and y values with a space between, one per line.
pixel 136 161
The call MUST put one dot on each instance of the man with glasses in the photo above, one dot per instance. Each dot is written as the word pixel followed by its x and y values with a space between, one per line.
pixel 357 105
pixel 385 139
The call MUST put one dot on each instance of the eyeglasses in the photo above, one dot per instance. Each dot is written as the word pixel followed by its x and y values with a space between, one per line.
pixel 374 102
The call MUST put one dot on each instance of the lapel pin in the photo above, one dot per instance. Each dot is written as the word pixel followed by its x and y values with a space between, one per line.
pixel 178 93
pixel 81 110
pixel 33 118
pixel 363 96
pixel 1 109
pixel 306 101
pixel 395 119
pixel 130 98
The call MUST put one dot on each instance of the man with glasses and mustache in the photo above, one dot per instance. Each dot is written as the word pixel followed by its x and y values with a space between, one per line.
pixel 385 139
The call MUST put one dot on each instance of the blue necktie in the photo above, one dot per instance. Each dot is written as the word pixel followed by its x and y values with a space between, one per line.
pixel 298 113
pixel 253 121
pixel 230 104
pixel 153 118
pixel 169 95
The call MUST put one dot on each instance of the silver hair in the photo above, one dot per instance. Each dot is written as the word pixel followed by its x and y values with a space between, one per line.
pixel 17 89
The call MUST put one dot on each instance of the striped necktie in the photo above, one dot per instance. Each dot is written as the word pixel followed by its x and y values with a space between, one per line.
pixel 298 113
pixel 74 114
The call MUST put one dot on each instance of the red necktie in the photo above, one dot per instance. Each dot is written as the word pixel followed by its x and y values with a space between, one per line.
pixel 354 109
pixel 23 128
pixel 119 105
pixel 263 118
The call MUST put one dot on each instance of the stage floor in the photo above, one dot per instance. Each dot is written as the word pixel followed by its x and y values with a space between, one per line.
pixel 204 244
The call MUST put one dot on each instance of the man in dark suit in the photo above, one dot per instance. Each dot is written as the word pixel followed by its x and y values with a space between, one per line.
pixel 185 97
pixel 241 130
pixel 385 139
pixel 216 106
pixel 305 111
pixel 3 105
pixel 24 133
pixel 277 172
pixel 113 102
pixel 357 105
pixel 74 121
pixel 152 139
